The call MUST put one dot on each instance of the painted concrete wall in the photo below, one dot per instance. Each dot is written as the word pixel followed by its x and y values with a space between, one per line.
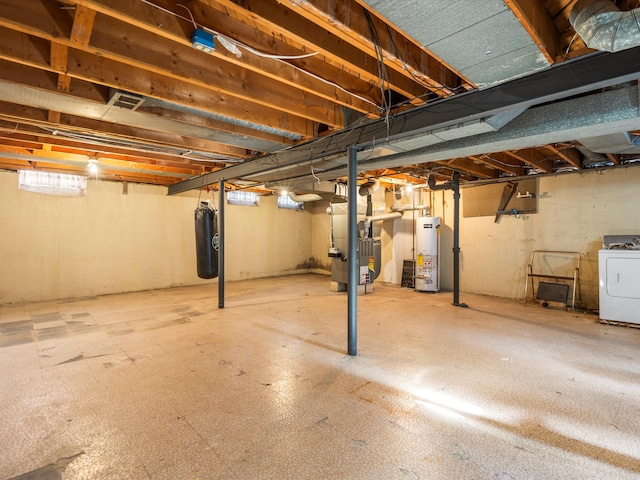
pixel 266 241
pixel 574 212
pixel 107 242
pixel 320 240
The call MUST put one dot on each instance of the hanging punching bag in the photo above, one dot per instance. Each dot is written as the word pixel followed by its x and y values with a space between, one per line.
pixel 206 241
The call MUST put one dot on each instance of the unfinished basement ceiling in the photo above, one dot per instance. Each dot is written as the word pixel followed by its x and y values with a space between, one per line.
pixel 482 40
pixel 121 83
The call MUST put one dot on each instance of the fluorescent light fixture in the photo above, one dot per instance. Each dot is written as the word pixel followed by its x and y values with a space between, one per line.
pixel 202 41
pixel 238 197
pixel 49 183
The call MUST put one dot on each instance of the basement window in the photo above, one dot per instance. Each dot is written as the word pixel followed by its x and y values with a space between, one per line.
pixel 284 201
pixel 48 183
pixel 238 197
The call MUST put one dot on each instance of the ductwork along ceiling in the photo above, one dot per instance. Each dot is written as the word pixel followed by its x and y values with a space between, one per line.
pixel 490 89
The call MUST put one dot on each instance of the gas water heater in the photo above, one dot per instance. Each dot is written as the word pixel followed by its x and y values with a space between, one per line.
pixel 427 254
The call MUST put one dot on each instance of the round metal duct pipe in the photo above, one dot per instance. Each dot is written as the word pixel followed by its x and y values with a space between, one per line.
pixel 407 208
pixel 602 26
pixel 384 216
pixel 369 188
pixel 305 197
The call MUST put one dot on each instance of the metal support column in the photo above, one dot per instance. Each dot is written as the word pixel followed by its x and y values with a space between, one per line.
pixel 454 185
pixel 221 196
pixel 352 255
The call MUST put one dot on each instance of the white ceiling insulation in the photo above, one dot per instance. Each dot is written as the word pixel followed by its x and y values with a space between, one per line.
pixel 482 39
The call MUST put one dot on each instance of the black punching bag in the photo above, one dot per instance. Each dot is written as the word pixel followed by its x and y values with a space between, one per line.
pixel 206 241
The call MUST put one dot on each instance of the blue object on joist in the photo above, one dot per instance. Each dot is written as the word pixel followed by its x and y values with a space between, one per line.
pixel 202 40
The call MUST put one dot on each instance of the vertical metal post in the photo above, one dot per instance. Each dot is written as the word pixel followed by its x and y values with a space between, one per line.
pixel 455 184
pixel 221 196
pixel 352 255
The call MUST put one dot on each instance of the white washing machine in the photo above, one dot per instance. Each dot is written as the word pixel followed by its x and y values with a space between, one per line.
pixel 619 272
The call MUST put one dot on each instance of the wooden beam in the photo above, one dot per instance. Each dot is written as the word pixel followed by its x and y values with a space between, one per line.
pixel 141 50
pixel 30 141
pixel 86 66
pixel 92 93
pixel 286 24
pixel 46 80
pixel 83 21
pixel 488 159
pixel 534 17
pixel 78 163
pixel 133 177
pixel 80 33
pixel 614 158
pixel 569 155
pixel 14 149
pixel 533 157
pixel 58 62
pixel 348 21
pixel 37 117
pixel 161 25
pixel 469 166
pixel 107 162
pixel 53 116
pixel 316 66
pixel 58 57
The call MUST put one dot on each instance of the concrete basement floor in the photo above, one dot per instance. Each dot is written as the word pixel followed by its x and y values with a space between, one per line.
pixel 164 385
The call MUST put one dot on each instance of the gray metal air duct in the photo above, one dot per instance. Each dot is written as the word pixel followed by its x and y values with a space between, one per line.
pixel 304 197
pixel 602 26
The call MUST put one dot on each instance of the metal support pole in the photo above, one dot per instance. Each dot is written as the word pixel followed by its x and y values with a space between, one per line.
pixel 455 184
pixel 352 255
pixel 221 196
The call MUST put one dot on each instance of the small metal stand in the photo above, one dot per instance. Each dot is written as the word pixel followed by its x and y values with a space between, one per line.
pixel 553 291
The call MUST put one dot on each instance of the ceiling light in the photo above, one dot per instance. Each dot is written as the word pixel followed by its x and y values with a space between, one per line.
pixel 409 188
pixel 202 41
pixel 93 165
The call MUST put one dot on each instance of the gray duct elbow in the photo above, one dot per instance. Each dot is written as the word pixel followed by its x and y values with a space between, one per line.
pixel 305 197
pixel 602 26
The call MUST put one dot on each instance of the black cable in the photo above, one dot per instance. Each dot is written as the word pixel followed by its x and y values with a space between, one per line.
pixel 382 71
